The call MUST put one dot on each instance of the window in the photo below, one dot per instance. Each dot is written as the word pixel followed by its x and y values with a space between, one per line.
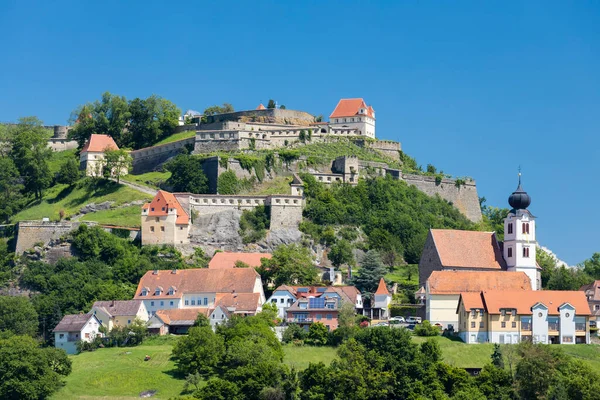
pixel 162 209
pixel 128 321
pixel 597 307
pixel 503 313
pixel 193 302
pixel 206 301
pixel 61 336
pixel 329 317
pixel 526 323
pixel 526 228
pixel 580 324
pixel 331 305
pixel 202 136
pixel 481 324
pixel 151 229
pixel 171 291
pixel 567 339
pixel 157 219
pixel 501 339
pixel 510 228
pixel 162 303
pixel 221 135
pixel 319 317
pixel 187 302
pixel 181 228
pixel 514 324
pixel 281 300
pixel 526 252
pixel 151 304
pixel 171 303
pixel 157 292
pixel 509 252
pixel 503 324
pixel 144 293
pixel 552 323
pixel 162 228
pixel 473 313
pixel 87 335
pixel 513 312
pixel 472 324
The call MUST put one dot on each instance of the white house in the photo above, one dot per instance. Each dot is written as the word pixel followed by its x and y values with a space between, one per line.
pixel 73 328
pixel 354 114
pixel 91 157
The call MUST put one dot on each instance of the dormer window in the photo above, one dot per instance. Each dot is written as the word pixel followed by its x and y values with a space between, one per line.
pixel 158 291
pixel 171 291
pixel 144 292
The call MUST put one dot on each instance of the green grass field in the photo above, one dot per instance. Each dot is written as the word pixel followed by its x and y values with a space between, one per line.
pixel 152 179
pixel 177 136
pixel 70 200
pixel 127 216
pixel 300 356
pixel 59 158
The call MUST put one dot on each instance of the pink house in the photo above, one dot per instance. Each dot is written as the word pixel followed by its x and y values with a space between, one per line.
pixel 307 311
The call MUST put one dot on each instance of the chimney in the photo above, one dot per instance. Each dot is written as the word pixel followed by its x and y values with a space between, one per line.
pixel 174 271
pixel 155 272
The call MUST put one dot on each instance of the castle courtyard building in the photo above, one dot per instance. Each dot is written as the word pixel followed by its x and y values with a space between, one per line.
pixel 164 221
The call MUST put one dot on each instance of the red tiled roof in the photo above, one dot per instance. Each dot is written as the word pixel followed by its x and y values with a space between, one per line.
pixel 522 301
pixel 471 300
pixel 182 316
pixel 99 143
pixel 248 302
pixel 228 260
pixel 468 249
pixel 382 288
pixel 161 203
pixel 350 108
pixel 455 282
pixel 199 280
pixel 261 107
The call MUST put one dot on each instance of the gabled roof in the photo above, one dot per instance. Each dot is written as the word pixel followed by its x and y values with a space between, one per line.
pixel 73 322
pixel 261 107
pixel 471 301
pixel 182 316
pixel 523 301
pixel 160 204
pixel 468 249
pixel 119 307
pixel 99 143
pixel 239 302
pixel 198 280
pixel 345 292
pixel 592 289
pixel 350 108
pixel 296 180
pixel 455 282
pixel 228 259
pixel 382 288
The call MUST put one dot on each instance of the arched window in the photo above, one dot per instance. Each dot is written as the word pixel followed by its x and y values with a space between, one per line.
pixel 525 227
pixel 525 252
pixel 510 228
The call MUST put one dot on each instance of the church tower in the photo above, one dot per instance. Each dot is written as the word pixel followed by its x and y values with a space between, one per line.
pixel 519 237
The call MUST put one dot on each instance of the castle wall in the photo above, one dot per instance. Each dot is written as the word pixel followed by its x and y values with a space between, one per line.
pixel 388 148
pixel 146 159
pixel 286 211
pixel 463 197
pixel 269 115
pixel 31 233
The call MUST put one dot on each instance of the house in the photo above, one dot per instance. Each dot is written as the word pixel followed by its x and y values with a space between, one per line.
pixel 119 312
pixel 544 316
pixel 91 157
pixel 457 250
pixel 381 302
pixel 443 291
pixel 73 328
pixel 285 296
pixel 244 304
pixel 354 114
pixel 193 288
pixel 164 221
pixel 592 293
pixel 229 259
pixel 175 321
pixel 307 311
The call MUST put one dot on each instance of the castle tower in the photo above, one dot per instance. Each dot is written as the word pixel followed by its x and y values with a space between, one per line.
pixel 519 237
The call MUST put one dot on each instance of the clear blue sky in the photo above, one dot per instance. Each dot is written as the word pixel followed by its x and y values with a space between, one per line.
pixel 475 88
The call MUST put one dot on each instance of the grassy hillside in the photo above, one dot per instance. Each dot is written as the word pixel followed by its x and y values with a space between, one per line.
pixel 126 216
pixel 177 136
pixel 151 179
pixel 70 200
pixel 59 158
pixel 122 373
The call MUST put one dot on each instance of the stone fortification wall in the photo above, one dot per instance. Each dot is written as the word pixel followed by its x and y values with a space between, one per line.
pixel 463 197
pixel 30 233
pixel 270 116
pixel 388 148
pixel 185 128
pixel 286 211
pixel 147 159
pixel 62 144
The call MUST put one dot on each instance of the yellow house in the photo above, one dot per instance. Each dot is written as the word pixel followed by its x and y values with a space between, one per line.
pixel 119 312
pixel 164 221
pixel 545 316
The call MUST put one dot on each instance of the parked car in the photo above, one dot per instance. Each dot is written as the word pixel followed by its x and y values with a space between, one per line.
pixel 396 320
pixel 413 320
pixel 381 324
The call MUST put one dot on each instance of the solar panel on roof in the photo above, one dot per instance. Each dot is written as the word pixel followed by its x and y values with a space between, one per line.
pixel 302 290
pixel 321 290
pixel 316 303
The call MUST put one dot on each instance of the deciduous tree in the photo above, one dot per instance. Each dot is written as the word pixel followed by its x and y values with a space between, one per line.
pixel 17 315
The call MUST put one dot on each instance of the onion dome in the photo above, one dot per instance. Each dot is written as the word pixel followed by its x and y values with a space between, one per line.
pixel 519 199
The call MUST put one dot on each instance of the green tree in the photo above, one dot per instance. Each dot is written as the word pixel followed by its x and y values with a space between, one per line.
pixel 152 119
pixel 341 253
pixel 271 103
pixel 495 383
pixel 591 266
pixel 224 109
pixel 227 183
pixel 291 264
pixel 564 278
pixel 293 332
pixel 30 154
pixel 29 372
pixel 200 351
pixel 317 334
pixel 118 163
pixel 548 265
pixel 371 272
pixel 219 389
pixel 187 175
pixel 17 315
pixel 69 172
pixel 11 200
pixel 497 360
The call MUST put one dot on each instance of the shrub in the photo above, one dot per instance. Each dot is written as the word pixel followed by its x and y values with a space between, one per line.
pixel 254 224
pixel 293 333
pixel 317 334
pixel 426 329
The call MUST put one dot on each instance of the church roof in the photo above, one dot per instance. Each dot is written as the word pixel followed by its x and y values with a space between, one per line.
pixel 519 199
pixel 468 249
pixel 350 108
pixel 455 282
pixel 382 288
pixel 99 143
pixel 160 204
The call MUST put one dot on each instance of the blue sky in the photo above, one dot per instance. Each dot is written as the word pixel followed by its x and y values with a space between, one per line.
pixel 475 88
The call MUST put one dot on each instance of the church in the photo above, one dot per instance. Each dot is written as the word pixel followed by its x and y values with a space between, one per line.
pixel 455 262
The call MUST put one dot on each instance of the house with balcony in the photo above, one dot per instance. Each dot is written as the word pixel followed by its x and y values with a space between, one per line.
pixel 285 296
pixel 307 311
pixel 74 328
pixel 504 317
